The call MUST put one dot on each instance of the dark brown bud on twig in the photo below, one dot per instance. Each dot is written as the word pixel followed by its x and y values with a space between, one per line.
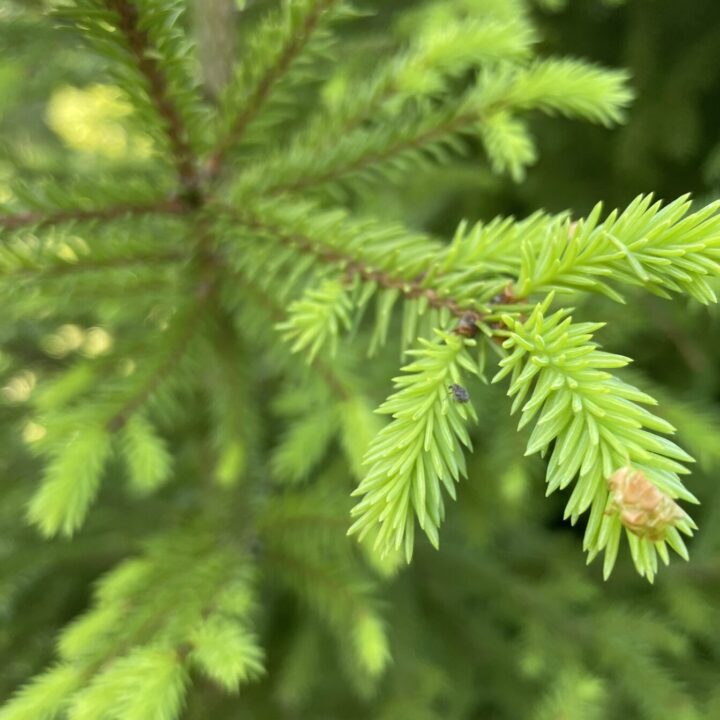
pixel 467 325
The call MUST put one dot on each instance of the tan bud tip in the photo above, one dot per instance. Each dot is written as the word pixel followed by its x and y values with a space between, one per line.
pixel 643 508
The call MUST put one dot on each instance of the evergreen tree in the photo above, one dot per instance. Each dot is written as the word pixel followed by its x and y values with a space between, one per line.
pixel 203 314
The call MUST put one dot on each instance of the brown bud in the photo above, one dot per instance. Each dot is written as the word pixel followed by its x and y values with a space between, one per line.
pixel 643 508
pixel 467 325
pixel 506 297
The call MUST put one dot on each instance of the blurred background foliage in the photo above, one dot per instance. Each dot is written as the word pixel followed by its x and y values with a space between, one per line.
pixel 506 621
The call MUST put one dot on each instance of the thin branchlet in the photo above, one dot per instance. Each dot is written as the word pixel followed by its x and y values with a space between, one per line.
pixel 175 354
pixel 453 125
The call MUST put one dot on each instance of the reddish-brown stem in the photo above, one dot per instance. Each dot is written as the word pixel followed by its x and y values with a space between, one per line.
pixel 468 316
pixel 40 219
pixel 265 85
pixel 142 51
pixel 411 289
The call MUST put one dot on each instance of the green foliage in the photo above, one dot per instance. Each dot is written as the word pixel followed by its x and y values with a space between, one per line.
pixel 143 685
pixel 418 137
pixel 305 442
pixel 574 695
pixel 129 653
pixel 44 697
pixel 281 58
pixel 195 340
pixel 150 58
pixel 302 531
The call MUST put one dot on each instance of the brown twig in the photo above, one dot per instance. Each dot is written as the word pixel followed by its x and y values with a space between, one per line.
pixel 468 316
pixel 264 87
pixel 411 289
pixel 41 219
pixel 141 49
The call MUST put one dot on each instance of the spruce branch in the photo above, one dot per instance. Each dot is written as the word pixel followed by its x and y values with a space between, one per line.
pixel 71 482
pixel 420 451
pixel 294 44
pixel 333 588
pixel 534 227
pixel 148 460
pixel 140 591
pixel 79 438
pixel 660 248
pixel 347 412
pixel 423 70
pixel 317 318
pixel 150 57
pixel 148 65
pixel 348 262
pixel 184 603
pixel 186 326
pixel 226 652
pixel 437 292
pixel 278 315
pixel 372 259
pixel 432 137
pixel 596 425
pixel 45 696
pixel 424 136
pixel 91 265
pixel 36 219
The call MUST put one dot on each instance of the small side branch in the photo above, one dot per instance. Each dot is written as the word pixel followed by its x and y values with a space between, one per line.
pixel 156 378
pixel 373 157
pixel 186 328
